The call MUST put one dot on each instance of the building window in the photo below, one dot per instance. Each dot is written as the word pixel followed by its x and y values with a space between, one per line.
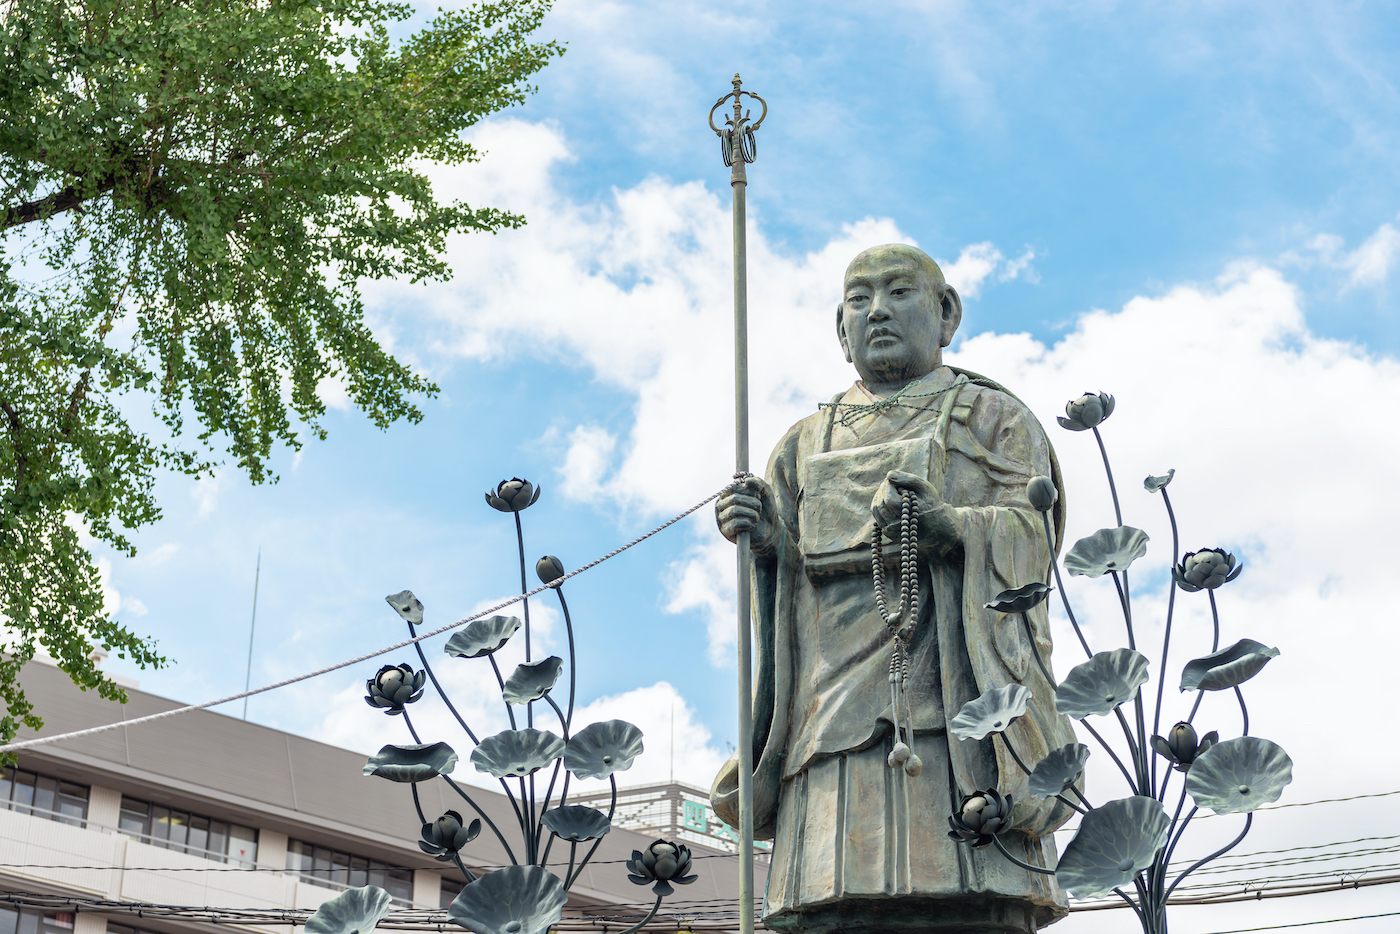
pixel 43 796
pixel 333 869
pixel 194 834
pixel 34 921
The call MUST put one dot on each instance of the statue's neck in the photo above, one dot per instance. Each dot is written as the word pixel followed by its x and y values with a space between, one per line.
pixel 881 388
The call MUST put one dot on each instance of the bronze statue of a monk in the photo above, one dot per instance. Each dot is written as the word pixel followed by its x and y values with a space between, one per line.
pixel 858 845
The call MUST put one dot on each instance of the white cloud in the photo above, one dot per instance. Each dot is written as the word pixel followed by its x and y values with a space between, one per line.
pixel 1368 264
pixel 982 261
pixel 159 555
pixel 205 492
pixel 587 462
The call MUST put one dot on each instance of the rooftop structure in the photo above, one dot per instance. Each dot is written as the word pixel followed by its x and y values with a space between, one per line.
pixel 208 811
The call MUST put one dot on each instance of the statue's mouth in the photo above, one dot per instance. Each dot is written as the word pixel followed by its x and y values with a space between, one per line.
pixel 878 335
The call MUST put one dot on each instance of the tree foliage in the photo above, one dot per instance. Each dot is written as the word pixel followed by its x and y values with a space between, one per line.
pixel 189 194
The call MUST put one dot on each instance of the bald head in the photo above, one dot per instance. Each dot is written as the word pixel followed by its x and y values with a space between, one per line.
pixel 896 254
pixel 896 316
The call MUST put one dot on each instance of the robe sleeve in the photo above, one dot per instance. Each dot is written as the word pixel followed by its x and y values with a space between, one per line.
pixel 1002 445
pixel 775 564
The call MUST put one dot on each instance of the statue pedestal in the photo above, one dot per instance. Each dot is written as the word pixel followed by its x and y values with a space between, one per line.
pixel 969 914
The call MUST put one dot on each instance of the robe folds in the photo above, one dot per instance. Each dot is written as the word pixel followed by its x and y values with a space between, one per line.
pixel 843 824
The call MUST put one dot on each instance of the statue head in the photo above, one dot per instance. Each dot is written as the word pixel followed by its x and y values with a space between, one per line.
pixel 896 315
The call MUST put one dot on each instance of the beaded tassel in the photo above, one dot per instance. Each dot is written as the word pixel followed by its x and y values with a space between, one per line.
pixel 902 756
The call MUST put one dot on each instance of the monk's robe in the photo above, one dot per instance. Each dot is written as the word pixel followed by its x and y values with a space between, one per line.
pixel 846 828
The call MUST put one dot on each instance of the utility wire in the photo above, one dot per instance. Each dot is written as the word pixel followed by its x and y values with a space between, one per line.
pixel 92 731
pixel 1303 924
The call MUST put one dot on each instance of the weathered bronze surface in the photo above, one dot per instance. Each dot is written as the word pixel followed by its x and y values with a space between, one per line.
pixel 858 845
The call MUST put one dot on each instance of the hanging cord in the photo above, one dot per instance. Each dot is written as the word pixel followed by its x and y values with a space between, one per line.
pixel 93 731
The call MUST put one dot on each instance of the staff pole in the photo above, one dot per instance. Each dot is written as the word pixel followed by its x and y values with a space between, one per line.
pixel 738 148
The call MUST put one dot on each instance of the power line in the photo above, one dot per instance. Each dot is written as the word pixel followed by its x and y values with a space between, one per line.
pixel 91 731
pixel 1303 924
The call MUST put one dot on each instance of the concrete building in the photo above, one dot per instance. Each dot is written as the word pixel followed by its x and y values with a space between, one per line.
pixel 206 810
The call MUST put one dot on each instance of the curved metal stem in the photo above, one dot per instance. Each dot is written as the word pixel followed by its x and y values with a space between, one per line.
pixel 1244 711
pixel 1035 650
pixel 471 877
pixel 1112 487
pixel 1010 749
pixel 1109 749
pixel 549 844
pixel 417 805
pixel 563 722
pixel 573 850
pixel 1071 804
pixel 1060 584
pixel 1167 635
pixel 1248 822
pixel 1181 831
pixel 1024 865
pixel 411 731
pixel 612 808
pixel 642 923
pixel 1215 620
pixel 529 809
pixel 510 708
pixel 524 588
pixel 568 628
pixel 441 693
pixel 1121 585
pixel 1133 905
pixel 1196 706
pixel 1080 795
pixel 484 816
pixel 1133 749
pixel 1148 915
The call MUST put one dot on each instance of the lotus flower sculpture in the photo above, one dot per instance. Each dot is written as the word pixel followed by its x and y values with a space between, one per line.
pixel 1122 848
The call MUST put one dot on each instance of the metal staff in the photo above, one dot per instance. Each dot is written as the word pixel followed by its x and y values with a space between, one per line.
pixel 738 147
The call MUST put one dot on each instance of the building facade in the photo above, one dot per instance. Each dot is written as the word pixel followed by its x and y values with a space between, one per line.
pixel 205 810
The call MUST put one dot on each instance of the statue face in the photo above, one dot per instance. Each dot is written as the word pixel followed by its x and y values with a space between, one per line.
pixel 895 320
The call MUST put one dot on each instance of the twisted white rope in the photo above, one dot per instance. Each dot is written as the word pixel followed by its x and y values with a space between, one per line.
pixel 92 731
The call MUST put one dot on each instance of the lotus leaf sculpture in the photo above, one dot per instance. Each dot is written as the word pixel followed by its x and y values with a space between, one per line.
pixel 1239 775
pixel 354 911
pixel 1106 550
pixel 1153 484
pixel 1102 683
pixel 1021 599
pixel 600 749
pixel 513 900
pixel 407 606
pixel 515 753
pixel 577 823
pixel 1228 667
pixel 1057 771
pixel 532 680
pixel 1113 844
pixel 482 637
pixel 416 762
pixel 990 713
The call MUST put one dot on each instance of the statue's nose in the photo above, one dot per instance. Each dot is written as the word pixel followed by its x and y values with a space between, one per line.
pixel 878 311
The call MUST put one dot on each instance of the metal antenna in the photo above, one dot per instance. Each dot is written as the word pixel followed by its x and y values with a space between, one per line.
pixel 248 681
pixel 738 147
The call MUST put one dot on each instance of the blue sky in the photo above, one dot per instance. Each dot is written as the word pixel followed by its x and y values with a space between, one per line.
pixel 1192 206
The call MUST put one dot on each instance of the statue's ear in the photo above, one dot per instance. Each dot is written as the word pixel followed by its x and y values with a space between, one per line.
pixel 841 332
pixel 951 312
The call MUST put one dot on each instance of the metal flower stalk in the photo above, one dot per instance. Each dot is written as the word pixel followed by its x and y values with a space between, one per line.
pixel 526 897
pixel 1125 847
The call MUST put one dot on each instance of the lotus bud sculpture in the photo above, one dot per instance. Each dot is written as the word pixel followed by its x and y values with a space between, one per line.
pixel 1124 849
pixel 393 687
pixel 532 764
